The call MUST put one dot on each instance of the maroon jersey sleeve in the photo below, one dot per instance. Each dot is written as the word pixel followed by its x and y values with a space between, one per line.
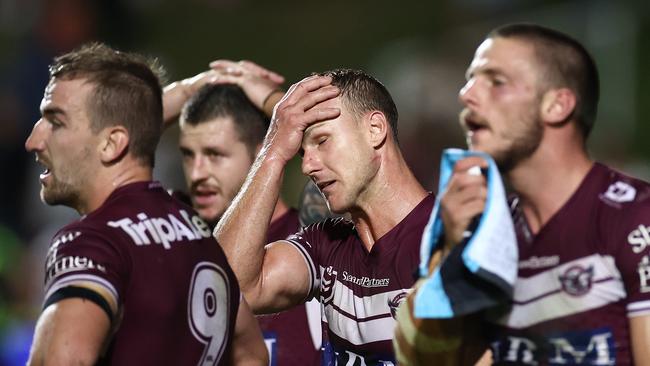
pixel 628 229
pixel 306 241
pixel 314 242
pixel 79 256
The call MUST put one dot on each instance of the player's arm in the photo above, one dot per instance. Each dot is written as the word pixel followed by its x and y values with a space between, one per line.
pixel 275 276
pixel 640 335
pixel 177 93
pixel 72 331
pixel 445 340
pixel 248 347
pixel 261 86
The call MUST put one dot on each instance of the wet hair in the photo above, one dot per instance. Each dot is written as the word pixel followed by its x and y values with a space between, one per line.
pixel 227 101
pixel 127 91
pixel 362 93
pixel 566 63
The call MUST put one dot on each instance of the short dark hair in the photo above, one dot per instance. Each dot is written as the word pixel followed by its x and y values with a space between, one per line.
pixel 362 93
pixel 227 100
pixel 567 64
pixel 127 91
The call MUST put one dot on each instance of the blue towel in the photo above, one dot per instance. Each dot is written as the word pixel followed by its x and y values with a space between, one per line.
pixel 479 272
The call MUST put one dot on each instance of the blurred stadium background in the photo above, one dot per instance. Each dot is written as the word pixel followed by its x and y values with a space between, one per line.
pixel 419 49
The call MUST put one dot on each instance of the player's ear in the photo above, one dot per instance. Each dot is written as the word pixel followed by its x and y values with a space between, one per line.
pixel 114 143
pixel 377 127
pixel 558 105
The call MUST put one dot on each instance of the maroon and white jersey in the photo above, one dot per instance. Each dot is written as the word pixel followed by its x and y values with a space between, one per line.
pixel 359 290
pixel 581 277
pixel 154 257
pixel 293 337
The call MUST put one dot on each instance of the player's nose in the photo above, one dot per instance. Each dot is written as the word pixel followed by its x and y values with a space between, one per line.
pixel 310 162
pixel 35 141
pixel 468 93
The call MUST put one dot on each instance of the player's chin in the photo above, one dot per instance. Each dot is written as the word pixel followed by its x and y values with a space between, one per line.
pixel 337 206
pixel 209 214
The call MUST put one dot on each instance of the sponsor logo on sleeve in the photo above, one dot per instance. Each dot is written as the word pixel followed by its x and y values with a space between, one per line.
pixel 327 285
pixel 639 238
pixel 644 274
pixel 619 192
pixel 163 230
pixel 54 248
pixel 71 263
pixel 577 280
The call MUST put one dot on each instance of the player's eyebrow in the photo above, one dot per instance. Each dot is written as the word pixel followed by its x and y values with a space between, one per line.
pixel 489 71
pixel 314 129
pixel 53 111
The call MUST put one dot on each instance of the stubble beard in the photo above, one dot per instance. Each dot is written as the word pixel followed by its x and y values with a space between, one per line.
pixel 60 193
pixel 523 144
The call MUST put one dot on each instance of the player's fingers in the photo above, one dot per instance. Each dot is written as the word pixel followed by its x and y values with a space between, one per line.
pixel 222 64
pixel 259 70
pixel 316 115
pixel 461 180
pixel 469 162
pixel 224 79
pixel 304 86
pixel 315 97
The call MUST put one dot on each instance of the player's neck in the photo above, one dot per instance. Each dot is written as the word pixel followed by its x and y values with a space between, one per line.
pixel 388 199
pixel 546 181
pixel 281 208
pixel 108 179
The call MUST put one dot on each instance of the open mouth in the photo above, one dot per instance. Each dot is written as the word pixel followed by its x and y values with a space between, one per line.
pixel 204 196
pixel 473 125
pixel 325 184
pixel 46 172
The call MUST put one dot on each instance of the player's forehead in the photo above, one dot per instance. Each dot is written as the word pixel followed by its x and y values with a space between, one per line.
pixel 214 128
pixel 67 95
pixel 340 124
pixel 217 134
pixel 502 55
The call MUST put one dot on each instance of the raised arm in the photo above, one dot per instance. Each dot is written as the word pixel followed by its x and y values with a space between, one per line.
pixel 69 332
pixel 274 277
pixel 177 93
pixel 262 86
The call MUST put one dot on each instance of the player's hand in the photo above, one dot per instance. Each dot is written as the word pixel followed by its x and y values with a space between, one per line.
pixel 299 108
pixel 463 199
pixel 177 93
pixel 257 82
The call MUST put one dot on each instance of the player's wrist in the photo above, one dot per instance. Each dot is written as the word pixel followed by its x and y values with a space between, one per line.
pixel 271 99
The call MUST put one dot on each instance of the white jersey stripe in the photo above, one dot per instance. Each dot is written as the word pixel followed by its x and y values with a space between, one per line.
pixel 359 333
pixel 541 297
pixel 81 278
pixel 547 283
pixel 638 308
pixel 314 283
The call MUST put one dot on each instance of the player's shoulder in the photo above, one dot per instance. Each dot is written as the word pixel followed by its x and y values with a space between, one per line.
pixel 333 226
pixel 333 229
pixel 619 192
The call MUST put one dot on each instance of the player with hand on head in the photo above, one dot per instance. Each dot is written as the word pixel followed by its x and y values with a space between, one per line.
pixel 137 280
pixel 344 125
pixel 221 131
